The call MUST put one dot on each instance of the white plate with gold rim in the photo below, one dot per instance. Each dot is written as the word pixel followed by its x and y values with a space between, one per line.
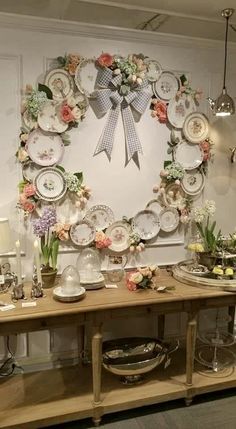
pixel 50 184
pixel 44 148
pixel 169 219
pixel 119 233
pixel 60 83
pixel 193 182
pixel 196 127
pixel 146 224
pixel 188 155
pixel 153 70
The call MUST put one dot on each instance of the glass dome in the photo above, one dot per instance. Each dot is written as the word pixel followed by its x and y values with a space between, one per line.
pixel 70 280
pixel 89 265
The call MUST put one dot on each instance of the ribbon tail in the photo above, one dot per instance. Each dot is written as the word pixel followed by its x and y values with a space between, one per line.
pixel 133 144
pixel 106 140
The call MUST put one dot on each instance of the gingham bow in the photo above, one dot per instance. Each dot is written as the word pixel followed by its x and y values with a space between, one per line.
pixel 109 98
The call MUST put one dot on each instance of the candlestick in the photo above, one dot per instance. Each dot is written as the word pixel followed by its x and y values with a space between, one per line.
pixel 18 262
pixel 37 261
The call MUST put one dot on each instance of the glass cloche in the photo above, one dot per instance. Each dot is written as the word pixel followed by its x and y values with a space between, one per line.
pixel 89 266
pixel 70 281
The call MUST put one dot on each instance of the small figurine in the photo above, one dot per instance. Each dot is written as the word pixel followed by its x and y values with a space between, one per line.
pixel 37 289
pixel 17 291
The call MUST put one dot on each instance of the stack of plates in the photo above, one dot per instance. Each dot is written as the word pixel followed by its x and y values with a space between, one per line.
pixel 60 295
pixel 96 283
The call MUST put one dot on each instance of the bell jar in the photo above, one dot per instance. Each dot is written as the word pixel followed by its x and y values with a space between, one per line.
pixel 89 266
pixel 70 281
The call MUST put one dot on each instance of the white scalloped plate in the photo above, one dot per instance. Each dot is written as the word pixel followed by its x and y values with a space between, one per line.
pixel 153 70
pixel 188 155
pixel 85 76
pixel 154 205
pixel 178 110
pixel 146 224
pixel 82 233
pixel 100 216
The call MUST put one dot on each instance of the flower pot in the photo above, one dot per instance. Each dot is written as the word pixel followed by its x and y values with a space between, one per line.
pixel 49 278
pixel 207 259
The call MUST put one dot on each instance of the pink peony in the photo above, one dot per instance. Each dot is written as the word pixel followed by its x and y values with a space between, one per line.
pixel 28 206
pixel 29 190
pixel 161 111
pixel 105 60
pixel 66 113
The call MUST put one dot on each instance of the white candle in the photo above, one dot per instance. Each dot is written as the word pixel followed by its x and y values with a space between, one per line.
pixel 37 261
pixel 18 262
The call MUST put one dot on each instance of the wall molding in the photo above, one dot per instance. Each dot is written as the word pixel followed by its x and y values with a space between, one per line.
pixel 55 26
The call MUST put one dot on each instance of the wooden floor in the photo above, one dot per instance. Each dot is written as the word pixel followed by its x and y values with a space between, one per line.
pixel 210 411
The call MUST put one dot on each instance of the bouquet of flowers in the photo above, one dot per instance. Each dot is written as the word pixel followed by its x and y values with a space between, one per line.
pixel 141 278
pixel 131 69
pixel 206 228
pixel 101 240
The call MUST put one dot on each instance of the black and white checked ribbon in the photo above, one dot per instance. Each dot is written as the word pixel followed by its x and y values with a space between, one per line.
pixel 109 99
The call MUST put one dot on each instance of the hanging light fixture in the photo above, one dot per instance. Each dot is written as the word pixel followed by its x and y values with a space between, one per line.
pixel 224 104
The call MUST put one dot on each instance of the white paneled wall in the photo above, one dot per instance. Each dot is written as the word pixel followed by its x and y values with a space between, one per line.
pixel 30 45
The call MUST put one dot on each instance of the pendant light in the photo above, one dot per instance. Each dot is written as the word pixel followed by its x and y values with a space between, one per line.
pixel 224 104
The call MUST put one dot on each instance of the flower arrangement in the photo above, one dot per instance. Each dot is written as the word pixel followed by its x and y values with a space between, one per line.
pixel 141 278
pixel 131 69
pixel 45 228
pixel 72 110
pixel 206 228
pixel 69 62
pixel 173 172
pixel 186 90
pixel 159 110
pixel 136 243
pixel 27 198
pixel 35 100
pixel 101 240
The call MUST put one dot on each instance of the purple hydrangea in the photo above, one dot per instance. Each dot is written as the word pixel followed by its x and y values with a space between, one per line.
pixel 48 219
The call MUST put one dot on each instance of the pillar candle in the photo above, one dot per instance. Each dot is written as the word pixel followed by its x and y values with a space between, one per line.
pixel 37 261
pixel 18 262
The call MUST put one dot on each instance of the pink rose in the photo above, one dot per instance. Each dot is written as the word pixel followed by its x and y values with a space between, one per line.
pixel 28 206
pixel 161 110
pixel 131 286
pixel 205 146
pixel 105 60
pixel 66 113
pixel 29 190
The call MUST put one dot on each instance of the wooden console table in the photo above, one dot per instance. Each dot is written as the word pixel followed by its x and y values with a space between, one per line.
pixel 49 397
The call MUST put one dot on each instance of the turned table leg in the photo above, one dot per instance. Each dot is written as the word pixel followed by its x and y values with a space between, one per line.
pixel 97 363
pixel 190 346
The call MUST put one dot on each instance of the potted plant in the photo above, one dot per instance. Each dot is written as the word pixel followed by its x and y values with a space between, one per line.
pixel 45 228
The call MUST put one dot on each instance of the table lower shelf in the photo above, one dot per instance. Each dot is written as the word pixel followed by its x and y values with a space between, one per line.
pixel 45 398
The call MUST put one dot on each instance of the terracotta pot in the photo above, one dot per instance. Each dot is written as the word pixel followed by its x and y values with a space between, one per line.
pixel 49 278
pixel 207 259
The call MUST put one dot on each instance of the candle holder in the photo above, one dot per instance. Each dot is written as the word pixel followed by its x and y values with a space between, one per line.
pixel 17 291
pixel 37 289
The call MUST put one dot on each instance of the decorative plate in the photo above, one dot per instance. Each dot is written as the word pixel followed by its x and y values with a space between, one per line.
pixel 193 182
pixel 50 184
pixel 119 233
pixel 100 216
pixel 100 279
pixel 196 127
pixel 60 83
pixel 188 155
pixel 174 196
pixel 29 121
pixel 44 148
pixel 169 219
pixel 166 86
pixel 146 224
pixel 82 233
pixel 30 170
pixel 85 76
pixel 61 296
pixel 49 118
pixel 153 70
pixel 154 205
pixel 178 110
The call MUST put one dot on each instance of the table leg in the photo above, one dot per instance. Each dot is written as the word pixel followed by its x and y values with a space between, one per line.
pixel 97 363
pixel 190 346
pixel 231 311
pixel 161 326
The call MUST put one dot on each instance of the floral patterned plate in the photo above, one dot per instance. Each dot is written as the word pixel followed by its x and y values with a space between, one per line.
pixel 193 182
pixel 166 86
pixel 50 184
pixel 146 224
pixel 196 127
pixel 119 233
pixel 44 148
pixel 49 118
pixel 169 219
pixel 178 110
pixel 82 233
pixel 85 76
pixel 60 83
pixel 100 216
pixel 188 155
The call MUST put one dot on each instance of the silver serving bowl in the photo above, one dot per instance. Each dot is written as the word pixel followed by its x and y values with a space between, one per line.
pixel 130 358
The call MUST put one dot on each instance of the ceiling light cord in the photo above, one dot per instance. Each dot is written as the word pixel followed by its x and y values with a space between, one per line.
pixel 226 43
